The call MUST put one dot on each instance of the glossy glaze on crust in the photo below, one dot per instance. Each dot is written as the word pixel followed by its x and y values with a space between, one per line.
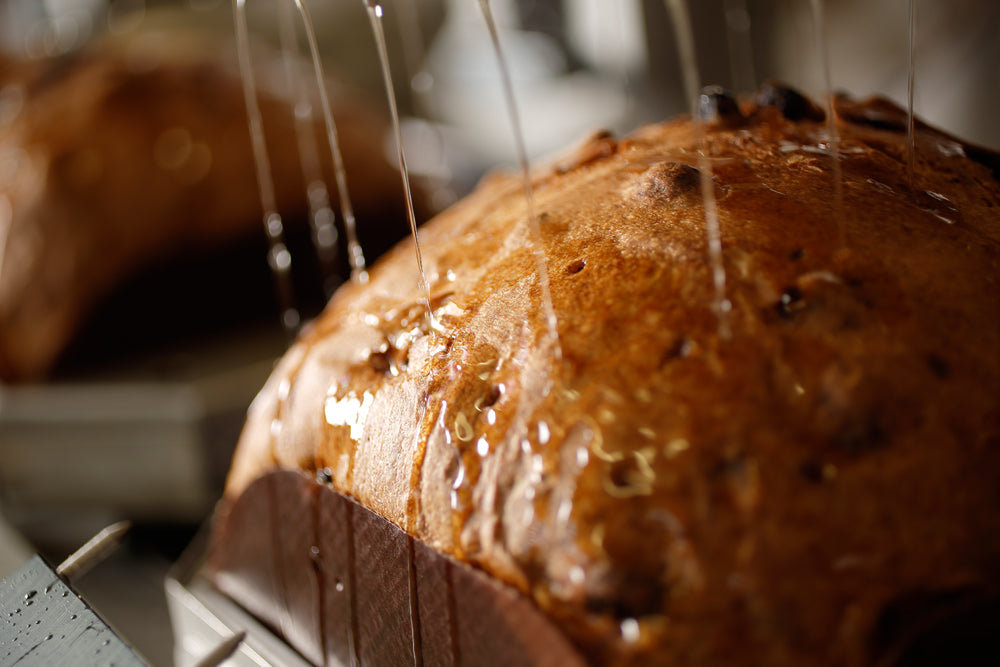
pixel 667 495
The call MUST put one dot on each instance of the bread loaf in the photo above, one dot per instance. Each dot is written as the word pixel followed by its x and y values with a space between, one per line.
pixel 807 477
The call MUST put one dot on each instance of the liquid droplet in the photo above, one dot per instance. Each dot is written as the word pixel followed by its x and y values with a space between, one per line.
pixel 685 44
pixel 939 206
pixel 462 428
pixel 541 263
pixel 630 630
pixel 375 18
pixel 321 217
pixel 354 252
pixel 543 433
pixel 831 120
pixel 273 225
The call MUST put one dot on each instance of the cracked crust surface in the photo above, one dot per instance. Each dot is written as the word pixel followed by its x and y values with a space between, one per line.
pixel 667 493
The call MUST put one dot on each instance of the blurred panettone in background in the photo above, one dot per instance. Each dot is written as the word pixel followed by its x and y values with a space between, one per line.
pixel 129 153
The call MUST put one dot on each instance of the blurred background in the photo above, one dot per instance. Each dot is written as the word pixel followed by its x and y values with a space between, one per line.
pixel 138 312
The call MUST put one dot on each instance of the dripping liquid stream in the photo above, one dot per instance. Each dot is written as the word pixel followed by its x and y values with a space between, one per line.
pixel 375 17
pixel 279 259
pixel 911 47
pixel 535 381
pixel 541 263
pixel 833 134
pixel 355 256
pixel 321 218
pixel 685 43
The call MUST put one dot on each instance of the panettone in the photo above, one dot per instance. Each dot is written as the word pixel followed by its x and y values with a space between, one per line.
pixel 811 476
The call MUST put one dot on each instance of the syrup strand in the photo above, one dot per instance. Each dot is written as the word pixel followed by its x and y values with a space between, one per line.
pixel 541 263
pixel 911 45
pixel 355 256
pixel 685 43
pixel 833 134
pixel 375 17
pixel 278 257
pixel 322 221
pixel 740 45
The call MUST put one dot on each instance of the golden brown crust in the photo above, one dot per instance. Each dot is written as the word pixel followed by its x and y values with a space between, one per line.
pixel 667 493
pixel 119 156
